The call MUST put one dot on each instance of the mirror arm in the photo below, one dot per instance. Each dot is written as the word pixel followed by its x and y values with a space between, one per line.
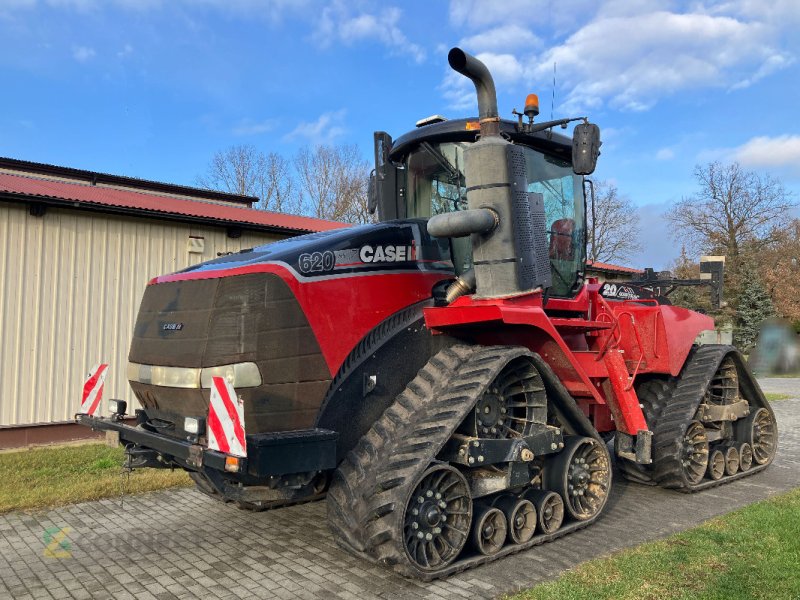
pixel 548 124
pixel 594 221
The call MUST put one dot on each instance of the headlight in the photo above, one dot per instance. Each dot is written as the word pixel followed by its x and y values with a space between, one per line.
pixel 240 375
pixel 177 377
pixel 117 407
pixel 194 425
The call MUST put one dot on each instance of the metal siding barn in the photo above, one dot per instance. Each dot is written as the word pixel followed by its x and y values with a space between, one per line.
pixel 71 280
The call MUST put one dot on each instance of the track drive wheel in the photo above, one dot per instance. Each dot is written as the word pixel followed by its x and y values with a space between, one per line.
pixel 437 518
pixel 581 474
pixel 759 430
pixel 694 452
pixel 511 405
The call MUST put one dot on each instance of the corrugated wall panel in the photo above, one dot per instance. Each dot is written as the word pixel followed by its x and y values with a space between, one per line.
pixel 70 286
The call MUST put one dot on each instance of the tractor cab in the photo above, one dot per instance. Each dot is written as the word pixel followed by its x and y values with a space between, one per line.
pixel 422 174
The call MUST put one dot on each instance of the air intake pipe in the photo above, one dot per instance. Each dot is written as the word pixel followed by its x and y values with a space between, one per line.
pixel 505 222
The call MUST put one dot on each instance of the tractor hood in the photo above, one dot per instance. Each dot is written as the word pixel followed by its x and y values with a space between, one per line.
pixel 393 246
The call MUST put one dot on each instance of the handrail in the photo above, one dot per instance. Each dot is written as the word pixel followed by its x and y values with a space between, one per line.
pixel 638 343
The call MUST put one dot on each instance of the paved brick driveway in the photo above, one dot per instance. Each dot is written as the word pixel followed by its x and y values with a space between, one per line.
pixel 180 544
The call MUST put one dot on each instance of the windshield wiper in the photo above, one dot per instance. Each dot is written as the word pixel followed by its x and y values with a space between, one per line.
pixel 453 173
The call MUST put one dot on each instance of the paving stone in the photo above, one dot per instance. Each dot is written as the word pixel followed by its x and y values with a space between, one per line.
pixel 181 544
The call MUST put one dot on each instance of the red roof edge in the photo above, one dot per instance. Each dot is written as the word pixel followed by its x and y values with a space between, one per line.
pixel 141 203
pixel 611 268
pixel 26 167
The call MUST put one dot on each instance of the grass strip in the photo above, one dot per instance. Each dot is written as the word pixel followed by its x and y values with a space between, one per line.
pixel 54 476
pixel 753 552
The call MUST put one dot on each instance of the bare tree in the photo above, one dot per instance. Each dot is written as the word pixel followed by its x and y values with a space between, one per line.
pixel 734 210
pixel 614 228
pixel 246 170
pixel 278 192
pixel 334 182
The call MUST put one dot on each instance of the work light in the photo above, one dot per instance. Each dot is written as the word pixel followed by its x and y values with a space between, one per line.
pixel 117 407
pixel 194 425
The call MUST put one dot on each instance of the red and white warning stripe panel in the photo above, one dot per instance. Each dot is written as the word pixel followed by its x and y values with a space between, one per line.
pixel 93 389
pixel 226 420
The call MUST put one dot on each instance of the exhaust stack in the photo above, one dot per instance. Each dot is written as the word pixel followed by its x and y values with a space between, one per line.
pixel 471 67
pixel 505 221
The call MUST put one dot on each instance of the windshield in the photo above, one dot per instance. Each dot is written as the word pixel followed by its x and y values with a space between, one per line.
pixel 435 184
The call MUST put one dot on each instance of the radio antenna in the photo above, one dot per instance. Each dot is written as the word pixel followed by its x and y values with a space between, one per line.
pixel 553 98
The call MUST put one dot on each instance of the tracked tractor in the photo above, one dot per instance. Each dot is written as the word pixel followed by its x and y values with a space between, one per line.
pixel 447 376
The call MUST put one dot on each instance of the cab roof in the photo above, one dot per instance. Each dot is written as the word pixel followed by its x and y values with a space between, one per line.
pixel 456 131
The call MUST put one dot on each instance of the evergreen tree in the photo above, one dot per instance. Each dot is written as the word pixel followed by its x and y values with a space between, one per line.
pixel 754 306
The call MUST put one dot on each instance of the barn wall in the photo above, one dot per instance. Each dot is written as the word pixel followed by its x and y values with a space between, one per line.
pixel 70 286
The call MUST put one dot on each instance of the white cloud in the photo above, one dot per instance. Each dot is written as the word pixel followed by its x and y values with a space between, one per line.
pixel 782 151
pixel 500 39
pixel 250 127
pixel 773 63
pixel 555 17
pixel 324 130
pixel 665 154
pixel 662 53
pixel 339 22
pixel 774 11
pixel 83 53
pixel 631 53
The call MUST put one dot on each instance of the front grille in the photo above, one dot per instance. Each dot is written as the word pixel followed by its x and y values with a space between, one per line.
pixel 230 320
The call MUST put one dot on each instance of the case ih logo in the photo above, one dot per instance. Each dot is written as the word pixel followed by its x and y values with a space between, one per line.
pixel 172 326
pixel 379 254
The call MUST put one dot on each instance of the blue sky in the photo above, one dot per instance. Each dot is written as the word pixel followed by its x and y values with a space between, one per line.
pixel 152 88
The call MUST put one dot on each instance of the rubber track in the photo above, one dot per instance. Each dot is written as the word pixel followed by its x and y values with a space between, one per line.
pixel 204 487
pixel 671 426
pixel 370 489
pixel 653 395
pixel 354 482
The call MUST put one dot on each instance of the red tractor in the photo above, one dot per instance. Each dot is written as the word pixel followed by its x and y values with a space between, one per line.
pixel 447 377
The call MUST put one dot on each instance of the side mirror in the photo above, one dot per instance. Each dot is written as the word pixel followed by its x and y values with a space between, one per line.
pixel 372 194
pixel 585 148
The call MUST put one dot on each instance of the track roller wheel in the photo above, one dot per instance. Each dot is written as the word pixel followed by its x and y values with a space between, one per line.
pixel 581 473
pixel 490 530
pixel 694 455
pixel 731 460
pixel 437 517
pixel 761 432
pixel 521 516
pixel 716 465
pixel 745 457
pixel 549 508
